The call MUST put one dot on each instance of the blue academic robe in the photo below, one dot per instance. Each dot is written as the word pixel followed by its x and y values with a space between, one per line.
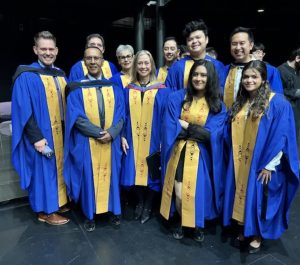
pixel 273 77
pixel 175 77
pixel 276 132
pixel 38 174
pixel 77 73
pixel 128 164
pixel 78 170
pixel 210 176
pixel 116 79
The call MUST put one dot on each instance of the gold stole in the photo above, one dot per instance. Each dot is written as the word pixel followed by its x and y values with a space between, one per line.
pixel 244 133
pixel 162 74
pixel 56 126
pixel 229 87
pixel 187 69
pixel 106 71
pixel 125 80
pixel 197 114
pixel 141 115
pixel 100 153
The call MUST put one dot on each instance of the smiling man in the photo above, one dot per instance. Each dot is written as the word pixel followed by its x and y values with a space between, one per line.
pixel 196 35
pixel 37 124
pixel 241 43
pixel 95 115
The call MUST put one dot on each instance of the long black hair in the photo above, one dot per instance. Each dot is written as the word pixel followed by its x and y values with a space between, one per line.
pixel 261 100
pixel 212 88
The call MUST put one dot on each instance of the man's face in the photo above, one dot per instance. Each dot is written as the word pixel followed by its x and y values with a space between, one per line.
pixel 240 47
pixel 170 51
pixel 96 42
pixel 259 55
pixel 93 60
pixel 196 43
pixel 46 51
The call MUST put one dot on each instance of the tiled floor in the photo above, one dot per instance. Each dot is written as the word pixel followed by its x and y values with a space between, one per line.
pixel 25 241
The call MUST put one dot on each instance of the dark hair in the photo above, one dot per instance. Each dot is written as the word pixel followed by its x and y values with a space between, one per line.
pixel 294 54
pixel 258 46
pixel 94 35
pixel 245 30
pixel 193 26
pixel 211 51
pixel 212 89
pixel 92 47
pixel 260 102
pixel 170 38
pixel 44 35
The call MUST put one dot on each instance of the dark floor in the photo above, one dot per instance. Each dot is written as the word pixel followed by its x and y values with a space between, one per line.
pixel 24 240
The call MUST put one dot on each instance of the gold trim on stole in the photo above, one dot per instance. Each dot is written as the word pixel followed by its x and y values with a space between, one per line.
pixel 141 115
pixel 244 133
pixel 100 153
pixel 229 88
pixel 196 114
pixel 162 74
pixel 57 133
pixel 125 80
pixel 187 69
pixel 106 71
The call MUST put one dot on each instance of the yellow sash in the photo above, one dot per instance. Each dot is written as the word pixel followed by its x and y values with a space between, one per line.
pixel 162 74
pixel 196 114
pixel 57 133
pixel 187 69
pixel 125 80
pixel 141 115
pixel 244 133
pixel 229 88
pixel 106 71
pixel 100 153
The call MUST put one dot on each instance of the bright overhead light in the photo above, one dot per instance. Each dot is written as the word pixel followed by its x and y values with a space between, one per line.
pixel 260 10
pixel 151 3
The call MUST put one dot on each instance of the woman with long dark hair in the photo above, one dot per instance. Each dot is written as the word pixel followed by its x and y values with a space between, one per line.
pixel 192 151
pixel 263 173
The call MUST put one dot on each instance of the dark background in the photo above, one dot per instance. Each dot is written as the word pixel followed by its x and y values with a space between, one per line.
pixel 71 21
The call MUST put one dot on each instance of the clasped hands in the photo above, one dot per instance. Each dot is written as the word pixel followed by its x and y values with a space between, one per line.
pixel 105 137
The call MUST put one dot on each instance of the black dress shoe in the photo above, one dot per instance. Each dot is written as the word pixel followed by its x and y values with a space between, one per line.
pixel 138 211
pixel 89 225
pixel 198 234
pixel 115 220
pixel 178 233
pixel 145 215
pixel 253 250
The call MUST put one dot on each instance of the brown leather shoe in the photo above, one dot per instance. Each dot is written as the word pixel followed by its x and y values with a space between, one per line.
pixel 53 219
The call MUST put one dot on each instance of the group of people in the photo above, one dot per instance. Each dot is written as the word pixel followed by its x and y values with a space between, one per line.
pixel 225 135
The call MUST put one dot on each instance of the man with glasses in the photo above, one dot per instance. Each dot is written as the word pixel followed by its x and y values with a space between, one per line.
pixel 171 52
pixel 37 124
pixel 95 115
pixel 79 69
pixel 125 55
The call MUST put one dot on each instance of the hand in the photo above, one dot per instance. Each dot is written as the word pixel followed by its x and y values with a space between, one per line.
pixel 105 137
pixel 40 145
pixel 184 124
pixel 125 145
pixel 265 176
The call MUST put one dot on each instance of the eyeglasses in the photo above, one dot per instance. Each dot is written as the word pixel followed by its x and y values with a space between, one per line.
pixel 95 58
pixel 128 57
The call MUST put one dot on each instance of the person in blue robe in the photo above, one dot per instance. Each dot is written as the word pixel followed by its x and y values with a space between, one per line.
pixel 144 105
pixel 125 56
pixel 92 142
pixel 37 126
pixel 194 128
pixel 196 35
pixel 78 70
pixel 262 175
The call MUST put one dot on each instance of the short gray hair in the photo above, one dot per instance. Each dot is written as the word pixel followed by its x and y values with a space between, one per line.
pixel 122 48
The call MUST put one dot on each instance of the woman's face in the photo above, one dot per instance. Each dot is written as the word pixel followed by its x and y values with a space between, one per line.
pixel 143 66
pixel 199 78
pixel 251 80
pixel 125 60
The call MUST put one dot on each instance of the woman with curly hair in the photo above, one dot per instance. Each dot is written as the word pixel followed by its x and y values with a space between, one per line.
pixel 263 173
pixel 192 151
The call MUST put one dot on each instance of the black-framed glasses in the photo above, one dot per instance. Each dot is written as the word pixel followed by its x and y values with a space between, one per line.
pixel 128 57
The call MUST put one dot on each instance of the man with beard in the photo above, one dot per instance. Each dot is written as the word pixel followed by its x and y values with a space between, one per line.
pixel 171 52
pixel 290 76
